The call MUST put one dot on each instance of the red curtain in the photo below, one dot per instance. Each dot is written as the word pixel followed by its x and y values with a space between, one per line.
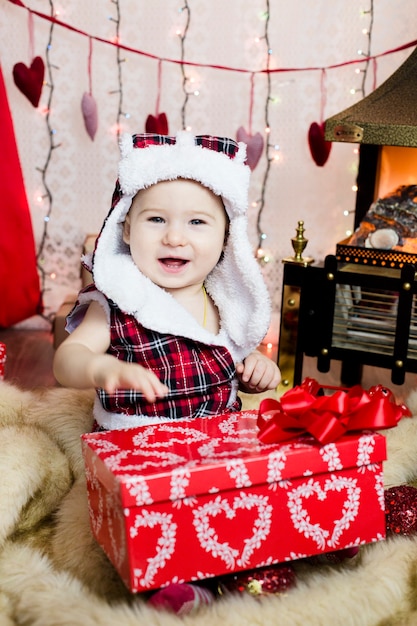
pixel 20 294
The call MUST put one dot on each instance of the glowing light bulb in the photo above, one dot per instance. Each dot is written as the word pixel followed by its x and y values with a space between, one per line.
pixel 116 129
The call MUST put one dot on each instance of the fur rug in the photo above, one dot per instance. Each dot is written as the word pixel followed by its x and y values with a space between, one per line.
pixel 52 573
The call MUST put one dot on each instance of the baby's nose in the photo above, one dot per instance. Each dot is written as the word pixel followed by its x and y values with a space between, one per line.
pixel 175 235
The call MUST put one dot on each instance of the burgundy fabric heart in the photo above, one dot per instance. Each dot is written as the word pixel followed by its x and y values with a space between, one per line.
pixel 255 146
pixel 157 124
pixel 319 147
pixel 29 80
pixel 89 110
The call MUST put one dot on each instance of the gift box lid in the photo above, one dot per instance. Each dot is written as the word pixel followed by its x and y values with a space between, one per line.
pixel 186 458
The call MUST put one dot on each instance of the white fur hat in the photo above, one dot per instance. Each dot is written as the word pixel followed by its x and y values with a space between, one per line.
pixel 236 283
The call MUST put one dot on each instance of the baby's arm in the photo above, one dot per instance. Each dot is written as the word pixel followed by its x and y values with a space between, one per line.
pixel 257 373
pixel 81 361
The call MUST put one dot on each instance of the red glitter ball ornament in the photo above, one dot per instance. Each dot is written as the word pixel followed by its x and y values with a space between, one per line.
pixel 401 510
pixel 258 582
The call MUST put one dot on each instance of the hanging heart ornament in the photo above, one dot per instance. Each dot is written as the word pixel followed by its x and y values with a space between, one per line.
pixel 157 124
pixel 29 80
pixel 255 146
pixel 89 111
pixel 319 147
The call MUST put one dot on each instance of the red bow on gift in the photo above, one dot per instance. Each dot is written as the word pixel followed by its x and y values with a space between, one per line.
pixel 301 411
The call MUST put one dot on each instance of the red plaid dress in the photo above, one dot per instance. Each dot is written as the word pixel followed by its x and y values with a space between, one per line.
pixel 200 377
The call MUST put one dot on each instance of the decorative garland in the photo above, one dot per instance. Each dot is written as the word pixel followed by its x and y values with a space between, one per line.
pixel 212 65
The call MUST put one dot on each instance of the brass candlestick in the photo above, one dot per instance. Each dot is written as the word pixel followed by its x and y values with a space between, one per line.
pixel 299 243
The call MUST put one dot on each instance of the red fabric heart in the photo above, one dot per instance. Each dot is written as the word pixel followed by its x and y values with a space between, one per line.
pixel 157 124
pixel 89 110
pixel 255 146
pixel 29 80
pixel 319 147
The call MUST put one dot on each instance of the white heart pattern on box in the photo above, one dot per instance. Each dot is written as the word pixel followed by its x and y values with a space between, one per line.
pixel 115 522
pixel 301 518
pixel 165 544
pixel 96 517
pixel 209 540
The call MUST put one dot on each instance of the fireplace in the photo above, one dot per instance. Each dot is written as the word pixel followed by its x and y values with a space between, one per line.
pixel 360 308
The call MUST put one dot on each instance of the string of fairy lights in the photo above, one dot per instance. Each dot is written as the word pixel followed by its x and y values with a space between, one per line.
pixel 366 53
pixel 46 198
pixel 119 64
pixel 362 64
pixel 262 256
pixel 365 14
pixel 182 35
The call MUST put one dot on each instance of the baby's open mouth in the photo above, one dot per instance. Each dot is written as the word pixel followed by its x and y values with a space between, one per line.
pixel 173 263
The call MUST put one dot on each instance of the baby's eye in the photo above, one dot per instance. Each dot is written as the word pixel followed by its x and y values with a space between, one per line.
pixel 156 219
pixel 197 221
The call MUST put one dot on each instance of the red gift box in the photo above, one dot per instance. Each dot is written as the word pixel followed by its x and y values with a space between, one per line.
pixel 195 499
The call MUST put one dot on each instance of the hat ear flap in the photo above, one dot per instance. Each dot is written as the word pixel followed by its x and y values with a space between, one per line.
pixel 241 153
pixel 125 144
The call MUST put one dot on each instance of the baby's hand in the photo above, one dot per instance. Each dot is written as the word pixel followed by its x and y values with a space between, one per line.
pixel 111 374
pixel 258 373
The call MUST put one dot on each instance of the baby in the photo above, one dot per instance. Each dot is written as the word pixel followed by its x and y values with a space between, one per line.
pixel 170 326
